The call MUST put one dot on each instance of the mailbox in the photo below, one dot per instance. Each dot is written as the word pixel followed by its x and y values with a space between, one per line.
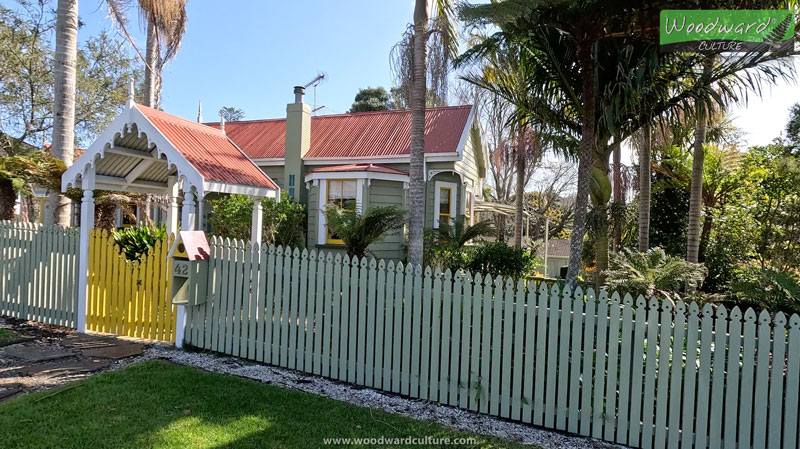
pixel 189 254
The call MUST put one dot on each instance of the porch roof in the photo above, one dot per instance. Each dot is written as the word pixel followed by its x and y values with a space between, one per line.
pixel 144 147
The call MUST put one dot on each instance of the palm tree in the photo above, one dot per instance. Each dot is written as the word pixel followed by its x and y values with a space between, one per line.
pixel 66 59
pixel 652 273
pixel 696 185
pixel 645 177
pixel 419 45
pixel 166 24
pixel 506 74
pixel 358 231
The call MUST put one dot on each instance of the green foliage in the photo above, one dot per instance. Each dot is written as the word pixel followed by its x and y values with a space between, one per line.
pixel 769 288
pixel 105 68
pixel 358 231
pixel 231 114
pixel 371 99
pixel 231 216
pixel 137 241
pixel 284 222
pixel 445 246
pixel 499 259
pixel 37 167
pixel 461 233
pixel 653 273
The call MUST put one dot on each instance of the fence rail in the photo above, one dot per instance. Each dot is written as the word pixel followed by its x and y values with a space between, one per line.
pixel 38 266
pixel 631 371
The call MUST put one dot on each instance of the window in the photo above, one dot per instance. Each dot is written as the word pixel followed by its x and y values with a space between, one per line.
pixel 445 204
pixel 340 193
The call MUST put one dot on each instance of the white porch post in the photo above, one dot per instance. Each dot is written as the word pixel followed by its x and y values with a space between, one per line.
pixel 87 223
pixel 188 223
pixel 257 223
pixel 172 205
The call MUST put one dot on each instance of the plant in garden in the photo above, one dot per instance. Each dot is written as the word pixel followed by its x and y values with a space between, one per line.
pixel 444 247
pixel 231 216
pixel 652 273
pixel 137 241
pixel 769 288
pixel 358 231
pixel 499 259
pixel 285 222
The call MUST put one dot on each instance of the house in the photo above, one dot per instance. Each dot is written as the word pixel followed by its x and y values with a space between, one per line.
pixel 361 160
pixel 556 259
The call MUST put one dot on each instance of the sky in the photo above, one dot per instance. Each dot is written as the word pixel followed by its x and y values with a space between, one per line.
pixel 250 54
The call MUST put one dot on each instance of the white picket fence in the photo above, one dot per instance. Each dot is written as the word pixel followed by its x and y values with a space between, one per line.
pixel 636 372
pixel 38 272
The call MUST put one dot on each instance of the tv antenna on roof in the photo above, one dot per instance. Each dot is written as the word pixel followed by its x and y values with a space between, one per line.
pixel 314 83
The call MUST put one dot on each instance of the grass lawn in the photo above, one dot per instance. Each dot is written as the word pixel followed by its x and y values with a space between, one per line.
pixel 7 335
pixel 157 404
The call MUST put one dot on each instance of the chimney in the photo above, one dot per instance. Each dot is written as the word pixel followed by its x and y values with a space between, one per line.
pixel 222 123
pixel 199 111
pixel 298 142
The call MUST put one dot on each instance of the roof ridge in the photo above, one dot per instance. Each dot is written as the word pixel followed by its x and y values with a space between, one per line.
pixel 344 114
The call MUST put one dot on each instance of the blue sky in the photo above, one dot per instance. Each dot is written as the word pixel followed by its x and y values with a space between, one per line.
pixel 249 54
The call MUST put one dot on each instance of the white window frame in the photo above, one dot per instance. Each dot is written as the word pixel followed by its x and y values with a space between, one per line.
pixel 322 225
pixel 438 185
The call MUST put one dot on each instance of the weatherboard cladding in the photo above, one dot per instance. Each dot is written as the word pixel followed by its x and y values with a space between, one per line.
pixel 364 134
pixel 208 150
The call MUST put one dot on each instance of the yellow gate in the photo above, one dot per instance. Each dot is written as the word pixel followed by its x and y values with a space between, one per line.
pixel 129 298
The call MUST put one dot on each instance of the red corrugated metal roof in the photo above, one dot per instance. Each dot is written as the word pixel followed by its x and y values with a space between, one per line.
pixel 363 134
pixel 208 150
pixel 374 168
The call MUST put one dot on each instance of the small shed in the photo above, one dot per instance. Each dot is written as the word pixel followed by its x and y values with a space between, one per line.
pixel 556 258
pixel 145 150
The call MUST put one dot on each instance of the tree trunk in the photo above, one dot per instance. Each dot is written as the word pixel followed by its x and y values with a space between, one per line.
pixel 696 189
pixel 705 234
pixel 584 161
pixel 416 188
pixel 601 233
pixel 618 200
pixel 645 174
pixel 8 198
pixel 519 200
pixel 64 73
pixel 151 55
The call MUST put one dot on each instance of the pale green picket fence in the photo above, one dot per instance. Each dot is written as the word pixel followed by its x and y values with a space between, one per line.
pixel 38 272
pixel 645 374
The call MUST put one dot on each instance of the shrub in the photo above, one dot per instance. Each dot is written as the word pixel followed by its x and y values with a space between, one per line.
pixel 231 216
pixel 358 231
pixel 499 259
pixel 774 289
pixel 284 222
pixel 445 247
pixel 137 241
pixel 652 273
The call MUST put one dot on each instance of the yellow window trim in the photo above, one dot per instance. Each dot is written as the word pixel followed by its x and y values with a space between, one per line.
pixel 328 239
